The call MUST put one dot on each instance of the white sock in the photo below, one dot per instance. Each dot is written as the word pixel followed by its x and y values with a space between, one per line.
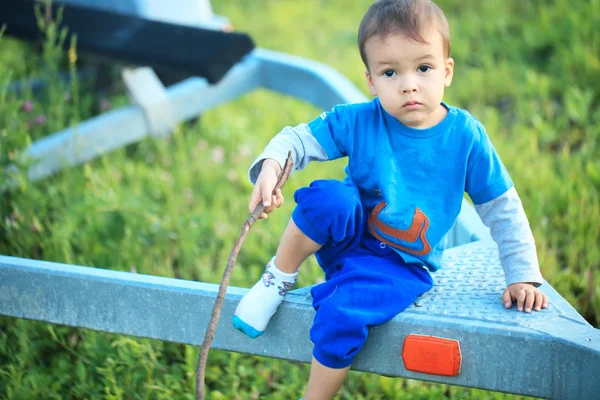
pixel 260 303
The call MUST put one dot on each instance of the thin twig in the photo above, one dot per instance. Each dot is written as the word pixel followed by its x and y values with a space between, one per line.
pixel 216 312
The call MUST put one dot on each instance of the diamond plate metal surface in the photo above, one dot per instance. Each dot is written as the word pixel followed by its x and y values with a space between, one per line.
pixel 470 286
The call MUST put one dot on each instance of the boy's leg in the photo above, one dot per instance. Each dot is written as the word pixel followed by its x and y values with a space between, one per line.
pixel 327 212
pixel 324 382
pixel 371 287
pixel 294 248
pixel 255 310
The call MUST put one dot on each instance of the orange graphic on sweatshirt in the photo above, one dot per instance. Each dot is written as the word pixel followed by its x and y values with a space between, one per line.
pixel 416 231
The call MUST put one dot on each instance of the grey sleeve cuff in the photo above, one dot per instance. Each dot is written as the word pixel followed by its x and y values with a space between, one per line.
pixel 299 140
pixel 510 229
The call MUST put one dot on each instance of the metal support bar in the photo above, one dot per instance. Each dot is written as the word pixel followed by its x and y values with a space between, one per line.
pixel 322 86
pixel 147 91
pixel 305 79
pixel 561 348
pixel 126 125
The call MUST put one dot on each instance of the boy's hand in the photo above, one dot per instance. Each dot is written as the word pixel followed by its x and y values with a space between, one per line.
pixel 526 295
pixel 263 189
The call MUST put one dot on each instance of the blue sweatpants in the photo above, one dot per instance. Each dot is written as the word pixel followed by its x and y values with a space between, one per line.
pixel 367 283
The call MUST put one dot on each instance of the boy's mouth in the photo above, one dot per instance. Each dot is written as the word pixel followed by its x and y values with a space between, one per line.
pixel 411 105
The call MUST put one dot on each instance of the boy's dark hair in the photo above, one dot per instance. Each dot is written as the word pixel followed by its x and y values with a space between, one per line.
pixel 407 17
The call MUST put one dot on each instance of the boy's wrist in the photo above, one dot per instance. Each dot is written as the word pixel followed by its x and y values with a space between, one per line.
pixel 271 163
pixel 534 284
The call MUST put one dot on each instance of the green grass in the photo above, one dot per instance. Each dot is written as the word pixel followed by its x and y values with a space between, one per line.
pixel 528 70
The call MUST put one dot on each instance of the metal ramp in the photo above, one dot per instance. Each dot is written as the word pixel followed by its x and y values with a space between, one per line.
pixel 554 353
pixel 551 354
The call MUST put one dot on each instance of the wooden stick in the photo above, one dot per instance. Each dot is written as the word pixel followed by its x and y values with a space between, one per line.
pixel 216 312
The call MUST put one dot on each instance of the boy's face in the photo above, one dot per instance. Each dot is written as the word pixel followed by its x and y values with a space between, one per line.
pixel 409 77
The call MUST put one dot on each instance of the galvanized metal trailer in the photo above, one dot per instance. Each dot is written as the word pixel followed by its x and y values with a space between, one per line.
pixel 554 353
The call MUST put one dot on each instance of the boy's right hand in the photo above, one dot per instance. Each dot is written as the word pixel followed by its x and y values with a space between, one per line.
pixel 263 189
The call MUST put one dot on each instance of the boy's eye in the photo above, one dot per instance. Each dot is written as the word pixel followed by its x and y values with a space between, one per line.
pixel 389 73
pixel 424 68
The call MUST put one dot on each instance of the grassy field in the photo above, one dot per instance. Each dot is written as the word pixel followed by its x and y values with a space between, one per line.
pixel 530 71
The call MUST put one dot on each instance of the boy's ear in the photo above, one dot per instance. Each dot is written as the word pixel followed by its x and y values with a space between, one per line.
pixel 449 71
pixel 372 89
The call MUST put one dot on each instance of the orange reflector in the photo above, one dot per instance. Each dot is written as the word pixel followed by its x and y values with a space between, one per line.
pixel 431 355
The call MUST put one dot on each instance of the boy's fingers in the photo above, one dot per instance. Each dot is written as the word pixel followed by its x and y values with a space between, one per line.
pixel 529 300
pixel 520 299
pixel 276 202
pixel 545 303
pixel 266 196
pixel 539 300
pixel 272 205
pixel 506 299
pixel 278 198
pixel 254 199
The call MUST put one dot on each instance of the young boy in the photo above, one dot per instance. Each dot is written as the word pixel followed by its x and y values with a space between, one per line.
pixel 379 232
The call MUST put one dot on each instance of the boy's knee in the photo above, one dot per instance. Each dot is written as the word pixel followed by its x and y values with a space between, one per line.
pixel 329 196
pixel 335 344
pixel 327 209
pixel 337 335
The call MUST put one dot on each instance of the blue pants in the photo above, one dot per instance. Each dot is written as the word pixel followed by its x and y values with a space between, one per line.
pixel 367 283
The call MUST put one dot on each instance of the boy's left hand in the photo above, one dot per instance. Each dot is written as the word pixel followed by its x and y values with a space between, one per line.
pixel 526 295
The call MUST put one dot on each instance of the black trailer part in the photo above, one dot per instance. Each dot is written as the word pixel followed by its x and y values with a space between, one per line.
pixel 135 40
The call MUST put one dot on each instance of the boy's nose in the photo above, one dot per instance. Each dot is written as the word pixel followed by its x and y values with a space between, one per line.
pixel 408 85
pixel 409 88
